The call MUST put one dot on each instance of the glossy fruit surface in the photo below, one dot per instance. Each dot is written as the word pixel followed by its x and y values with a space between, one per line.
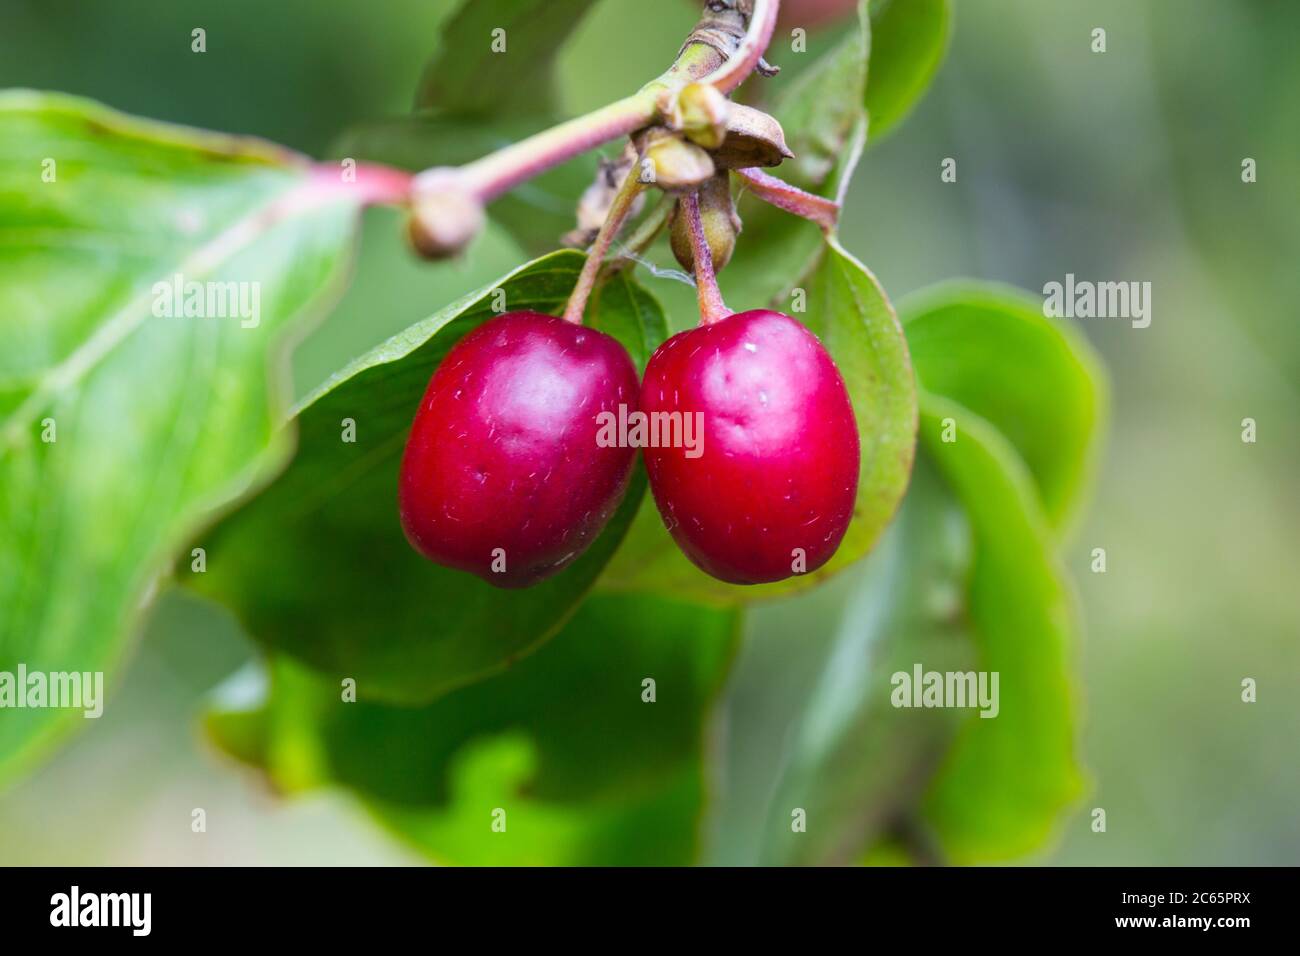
pixel 772 489
pixel 502 475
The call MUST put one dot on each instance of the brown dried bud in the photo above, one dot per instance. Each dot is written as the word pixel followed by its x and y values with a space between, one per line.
pixel 594 205
pixel 720 221
pixel 753 139
pixel 445 216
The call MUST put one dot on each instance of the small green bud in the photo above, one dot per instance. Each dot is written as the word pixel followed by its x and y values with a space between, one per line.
pixel 702 114
pixel 671 163
pixel 720 221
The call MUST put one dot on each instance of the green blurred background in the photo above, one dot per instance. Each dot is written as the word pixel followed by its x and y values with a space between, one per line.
pixel 1114 166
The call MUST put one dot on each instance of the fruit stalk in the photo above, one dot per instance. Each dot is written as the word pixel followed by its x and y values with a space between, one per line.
pixel 712 306
pixel 645 233
pixel 619 209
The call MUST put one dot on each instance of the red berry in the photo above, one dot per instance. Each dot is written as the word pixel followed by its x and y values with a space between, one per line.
pixel 502 475
pixel 777 474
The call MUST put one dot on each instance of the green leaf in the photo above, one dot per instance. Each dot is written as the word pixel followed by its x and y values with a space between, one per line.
pixel 858 764
pixel 622 308
pixel 586 769
pixel 848 311
pixel 965 579
pixel 318 567
pixel 989 348
pixel 909 40
pixel 851 761
pixel 1007 779
pixel 121 430
pixel 821 107
pixel 497 56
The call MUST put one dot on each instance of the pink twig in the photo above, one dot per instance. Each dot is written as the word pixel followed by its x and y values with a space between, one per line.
pixel 742 63
pixel 499 172
pixel 712 307
pixel 792 199
pixel 369 183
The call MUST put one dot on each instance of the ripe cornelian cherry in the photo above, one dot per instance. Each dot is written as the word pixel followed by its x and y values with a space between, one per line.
pixel 502 475
pixel 770 491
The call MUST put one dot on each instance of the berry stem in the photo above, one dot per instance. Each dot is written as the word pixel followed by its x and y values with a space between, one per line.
pixel 712 306
pixel 646 233
pixel 792 199
pixel 619 209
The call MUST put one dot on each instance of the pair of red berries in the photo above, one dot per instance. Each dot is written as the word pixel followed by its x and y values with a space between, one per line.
pixel 504 475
